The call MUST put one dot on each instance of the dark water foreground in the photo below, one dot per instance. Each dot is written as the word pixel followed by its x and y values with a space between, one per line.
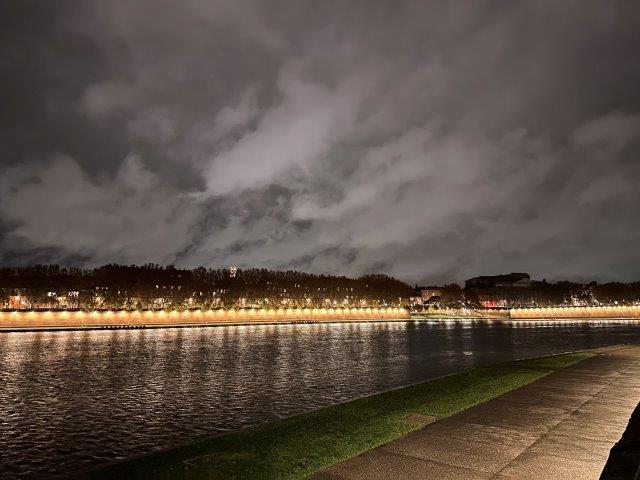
pixel 69 400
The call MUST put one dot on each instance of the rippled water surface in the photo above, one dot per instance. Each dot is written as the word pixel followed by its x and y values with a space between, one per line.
pixel 71 400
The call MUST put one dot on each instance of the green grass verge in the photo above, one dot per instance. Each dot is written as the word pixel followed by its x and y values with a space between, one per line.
pixel 301 445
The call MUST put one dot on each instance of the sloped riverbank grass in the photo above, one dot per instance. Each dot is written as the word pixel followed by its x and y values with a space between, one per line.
pixel 301 445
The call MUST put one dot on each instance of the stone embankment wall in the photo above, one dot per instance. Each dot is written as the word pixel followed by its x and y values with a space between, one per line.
pixel 575 312
pixel 24 319
pixel 536 313
pixel 465 313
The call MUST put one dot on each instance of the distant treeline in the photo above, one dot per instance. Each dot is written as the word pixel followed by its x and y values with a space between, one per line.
pixel 156 286
pixel 544 294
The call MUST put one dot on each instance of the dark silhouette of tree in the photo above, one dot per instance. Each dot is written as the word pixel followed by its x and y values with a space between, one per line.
pixel 156 286
pixel 153 286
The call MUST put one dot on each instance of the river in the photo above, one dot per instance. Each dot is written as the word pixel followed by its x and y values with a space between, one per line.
pixel 74 399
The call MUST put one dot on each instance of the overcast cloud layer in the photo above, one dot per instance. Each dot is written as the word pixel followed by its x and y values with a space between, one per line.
pixel 428 140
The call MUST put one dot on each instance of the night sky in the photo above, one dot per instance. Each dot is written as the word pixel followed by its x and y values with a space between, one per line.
pixel 432 141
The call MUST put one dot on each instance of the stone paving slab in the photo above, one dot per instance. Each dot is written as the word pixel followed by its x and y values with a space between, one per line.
pixel 590 431
pixel 606 407
pixel 498 413
pixel 533 396
pixel 609 400
pixel 452 427
pixel 536 466
pixel 614 418
pixel 572 447
pixel 482 457
pixel 381 465
pixel 559 427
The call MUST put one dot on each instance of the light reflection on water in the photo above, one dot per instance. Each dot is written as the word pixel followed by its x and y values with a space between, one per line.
pixel 69 400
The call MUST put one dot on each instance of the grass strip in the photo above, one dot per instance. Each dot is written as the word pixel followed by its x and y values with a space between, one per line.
pixel 301 445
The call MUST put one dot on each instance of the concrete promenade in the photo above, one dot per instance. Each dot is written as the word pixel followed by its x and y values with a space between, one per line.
pixel 559 427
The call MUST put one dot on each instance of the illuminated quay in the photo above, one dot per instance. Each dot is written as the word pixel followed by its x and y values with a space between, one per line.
pixel 95 319
pixel 82 319
pixel 613 311
pixel 537 313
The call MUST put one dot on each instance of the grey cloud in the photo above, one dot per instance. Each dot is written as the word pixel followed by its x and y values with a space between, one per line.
pixel 130 218
pixel 428 140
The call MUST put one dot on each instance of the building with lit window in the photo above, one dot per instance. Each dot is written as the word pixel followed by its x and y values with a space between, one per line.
pixel 496 291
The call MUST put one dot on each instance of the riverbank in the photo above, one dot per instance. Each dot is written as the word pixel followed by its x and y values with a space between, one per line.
pixel 617 312
pixel 26 320
pixel 302 445
pixel 562 426
pixel 35 320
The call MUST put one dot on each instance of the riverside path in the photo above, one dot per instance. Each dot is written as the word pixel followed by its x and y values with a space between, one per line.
pixel 559 427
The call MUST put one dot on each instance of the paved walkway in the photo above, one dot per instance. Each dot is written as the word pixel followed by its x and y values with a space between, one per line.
pixel 559 427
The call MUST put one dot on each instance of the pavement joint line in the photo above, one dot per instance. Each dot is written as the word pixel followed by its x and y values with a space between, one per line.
pixel 431 460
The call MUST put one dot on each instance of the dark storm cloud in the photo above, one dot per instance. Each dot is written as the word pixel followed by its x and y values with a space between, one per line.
pixel 430 140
